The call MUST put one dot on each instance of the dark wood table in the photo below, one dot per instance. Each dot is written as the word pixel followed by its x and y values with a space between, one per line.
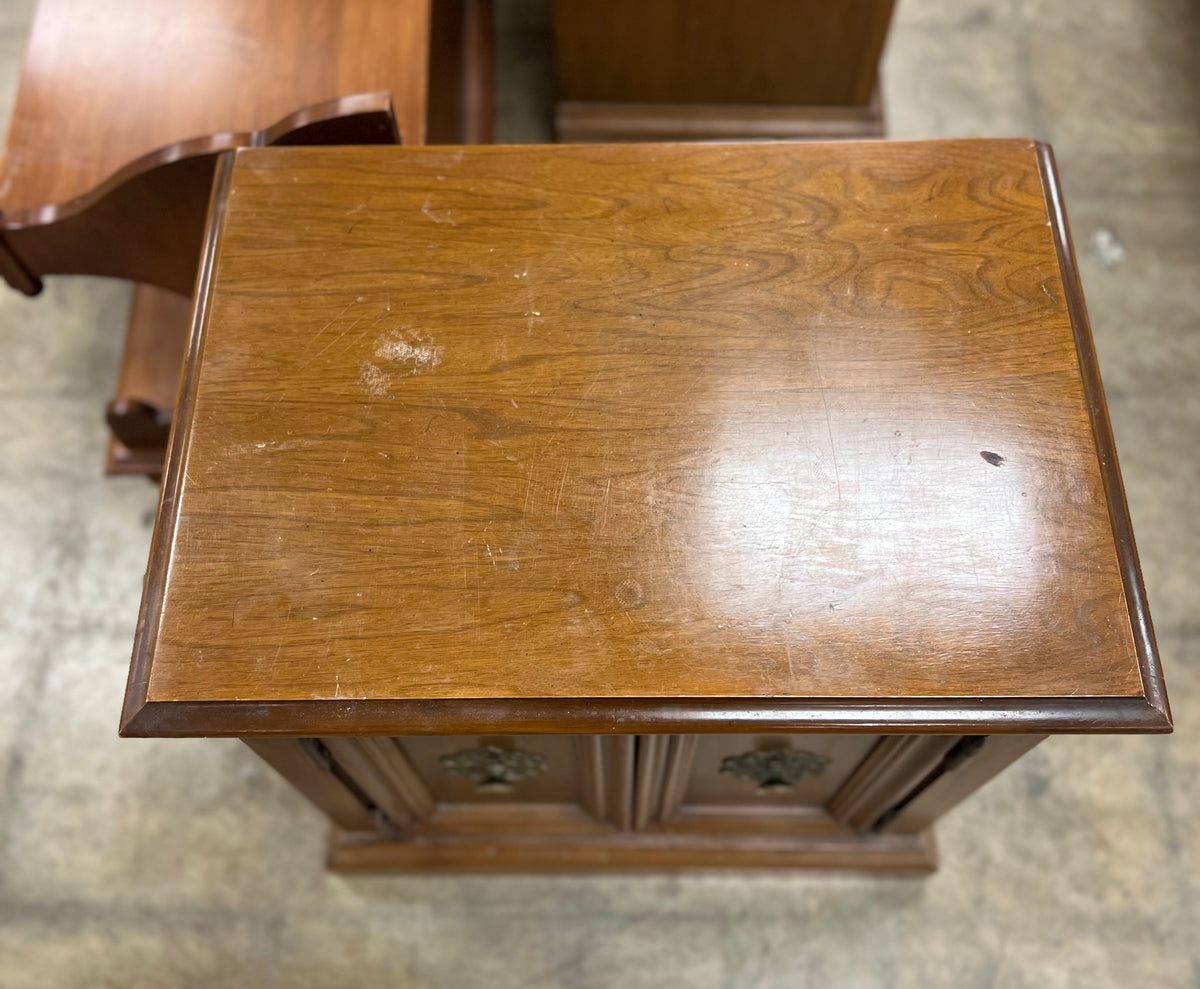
pixel 660 505
pixel 123 107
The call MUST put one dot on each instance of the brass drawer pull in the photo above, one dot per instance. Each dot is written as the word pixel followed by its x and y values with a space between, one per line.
pixel 494 770
pixel 775 770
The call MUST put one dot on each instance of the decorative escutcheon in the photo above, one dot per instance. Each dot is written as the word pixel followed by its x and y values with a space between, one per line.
pixel 494 770
pixel 775 770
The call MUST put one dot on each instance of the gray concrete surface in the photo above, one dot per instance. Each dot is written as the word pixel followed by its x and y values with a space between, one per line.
pixel 187 863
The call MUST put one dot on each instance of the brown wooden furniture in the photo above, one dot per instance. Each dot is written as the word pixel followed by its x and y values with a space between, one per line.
pixel 122 109
pixel 711 69
pixel 643 505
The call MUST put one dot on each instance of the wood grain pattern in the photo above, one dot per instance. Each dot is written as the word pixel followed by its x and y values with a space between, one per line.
pixel 494 438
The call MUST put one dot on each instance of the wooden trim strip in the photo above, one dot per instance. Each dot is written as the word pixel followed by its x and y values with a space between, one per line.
pixel 607 715
pixel 1110 470
pixel 368 852
pixel 178 445
pixel 585 121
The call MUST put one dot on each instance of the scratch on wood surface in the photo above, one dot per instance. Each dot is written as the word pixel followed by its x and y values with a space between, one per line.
pixel 602 514
pixel 575 408
pixel 837 477
pixel 562 483
pixel 437 219
pixel 317 335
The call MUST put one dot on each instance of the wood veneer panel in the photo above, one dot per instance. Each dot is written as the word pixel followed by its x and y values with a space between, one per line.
pixel 512 436
pixel 803 52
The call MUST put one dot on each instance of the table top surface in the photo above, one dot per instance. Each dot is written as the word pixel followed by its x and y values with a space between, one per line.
pixel 642 436
pixel 104 84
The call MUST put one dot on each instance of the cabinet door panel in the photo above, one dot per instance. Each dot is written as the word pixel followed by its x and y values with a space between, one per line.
pixel 523 768
pixel 823 784
pixel 802 770
pixel 475 783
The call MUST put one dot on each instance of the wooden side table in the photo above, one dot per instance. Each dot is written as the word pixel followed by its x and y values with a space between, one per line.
pixel 661 505
pixel 122 109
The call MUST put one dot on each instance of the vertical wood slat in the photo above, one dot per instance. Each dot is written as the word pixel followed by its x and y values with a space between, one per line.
pixel 606 770
pixel 621 780
pixel 592 783
pixel 382 770
pixel 677 773
pixel 892 769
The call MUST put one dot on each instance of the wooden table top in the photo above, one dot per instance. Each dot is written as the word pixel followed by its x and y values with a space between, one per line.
pixel 642 437
pixel 103 84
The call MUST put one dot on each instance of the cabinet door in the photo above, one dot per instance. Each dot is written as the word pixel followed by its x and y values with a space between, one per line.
pixel 826 784
pixel 500 783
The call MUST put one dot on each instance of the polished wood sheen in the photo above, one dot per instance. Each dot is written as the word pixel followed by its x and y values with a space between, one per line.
pixel 528 439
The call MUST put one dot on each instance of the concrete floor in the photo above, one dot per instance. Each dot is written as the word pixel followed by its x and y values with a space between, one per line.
pixel 187 863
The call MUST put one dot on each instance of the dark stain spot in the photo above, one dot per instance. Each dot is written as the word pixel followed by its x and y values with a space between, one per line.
pixel 489 426
pixel 992 458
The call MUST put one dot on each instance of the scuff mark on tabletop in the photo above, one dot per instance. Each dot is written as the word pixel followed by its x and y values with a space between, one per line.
pixel 404 352
pixel 373 380
pixel 413 349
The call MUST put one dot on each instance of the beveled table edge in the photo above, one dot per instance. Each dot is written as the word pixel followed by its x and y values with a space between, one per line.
pixel 1149 713
pixel 1142 628
pixel 606 715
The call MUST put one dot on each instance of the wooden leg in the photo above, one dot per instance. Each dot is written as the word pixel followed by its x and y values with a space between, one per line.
pixel 140 414
pixel 461 72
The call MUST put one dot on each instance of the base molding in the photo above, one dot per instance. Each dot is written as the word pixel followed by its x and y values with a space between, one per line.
pixel 368 851
pixel 587 121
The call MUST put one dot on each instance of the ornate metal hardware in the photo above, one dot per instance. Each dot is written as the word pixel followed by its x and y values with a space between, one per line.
pixel 775 770
pixel 494 770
